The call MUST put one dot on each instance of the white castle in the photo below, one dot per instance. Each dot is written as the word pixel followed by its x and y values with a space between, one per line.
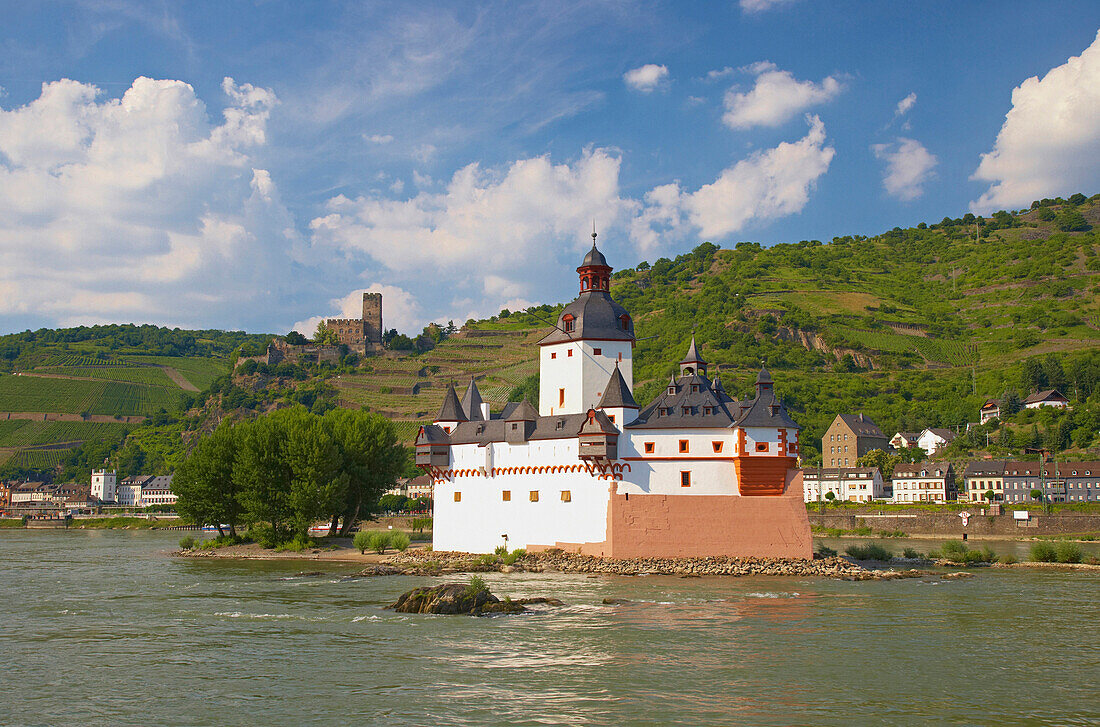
pixel 693 473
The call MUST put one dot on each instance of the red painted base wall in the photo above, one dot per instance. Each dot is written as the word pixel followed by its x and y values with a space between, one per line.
pixel 693 526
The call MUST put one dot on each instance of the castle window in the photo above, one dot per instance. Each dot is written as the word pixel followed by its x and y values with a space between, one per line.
pixel 553 354
pixel 569 353
pixel 561 424
pixel 611 417
pixel 506 495
pixel 685 479
pixel 597 352
pixel 533 496
pixel 566 496
pixel 458 497
pixel 683 445
pixel 695 388
pixel 568 322
pixel 515 426
pixel 671 390
pixel 620 357
pixel 717 447
pixel 648 447
pixel 561 397
pixel 761 446
pixel 624 321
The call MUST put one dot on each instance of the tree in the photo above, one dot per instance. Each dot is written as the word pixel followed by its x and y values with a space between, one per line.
pixel 372 457
pixel 989 495
pixel 1071 220
pixel 1032 376
pixel 325 336
pixel 204 482
pixel 263 476
pixel 318 480
pixel 296 339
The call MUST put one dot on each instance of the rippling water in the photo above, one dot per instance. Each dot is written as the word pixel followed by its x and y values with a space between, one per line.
pixel 100 627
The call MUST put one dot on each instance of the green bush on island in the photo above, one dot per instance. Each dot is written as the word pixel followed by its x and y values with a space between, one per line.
pixel 378 541
pixel 1008 559
pixel 477 585
pixel 1068 553
pixel 399 542
pixel 825 551
pixel 297 544
pixel 912 553
pixel 869 551
pixel 1044 553
pixel 187 542
pixel 361 541
pixel 488 559
pixel 957 552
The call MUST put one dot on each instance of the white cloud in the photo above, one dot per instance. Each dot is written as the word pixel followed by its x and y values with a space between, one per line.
pixel 422 180
pixel 905 104
pixel 379 138
pixel 769 184
pixel 720 73
pixel 139 208
pixel 759 6
pixel 646 78
pixel 1050 141
pixel 400 310
pixel 908 166
pixel 776 97
pixel 398 186
pixel 490 235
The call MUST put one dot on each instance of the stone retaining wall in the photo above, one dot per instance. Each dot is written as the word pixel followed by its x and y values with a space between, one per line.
pixel 950 524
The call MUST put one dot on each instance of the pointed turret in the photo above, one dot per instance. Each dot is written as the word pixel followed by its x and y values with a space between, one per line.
pixel 693 363
pixel 763 382
pixel 471 402
pixel 617 394
pixel 451 410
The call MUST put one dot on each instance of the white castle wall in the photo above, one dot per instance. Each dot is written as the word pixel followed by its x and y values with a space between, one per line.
pixel 712 473
pixel 583 374
pixel 477 521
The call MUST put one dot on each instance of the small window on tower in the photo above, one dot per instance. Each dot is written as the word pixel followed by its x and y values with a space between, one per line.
pixel 569 353
pixel 685 479
pixel 561 397
pixel 683 446
pixel 458 497
pixel 695 388
pixel 568 321
pixel 761 446
pixel 717 447
pixel 506 495
pixel 515 426
pixel 533 496
pixel 597 352
pixel 649 447
pixel 566 496
pixel 611 417
pixel 553 354
pixel 620 357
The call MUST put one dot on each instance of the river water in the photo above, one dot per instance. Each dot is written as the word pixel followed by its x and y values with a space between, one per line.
pixel 102 628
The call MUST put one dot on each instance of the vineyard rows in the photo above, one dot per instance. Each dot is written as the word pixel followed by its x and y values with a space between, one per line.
pixel 29 393
pixel 38 458
pixel 148 375
pixel 36 433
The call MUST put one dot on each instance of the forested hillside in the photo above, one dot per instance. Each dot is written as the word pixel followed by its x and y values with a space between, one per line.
pixel 915 327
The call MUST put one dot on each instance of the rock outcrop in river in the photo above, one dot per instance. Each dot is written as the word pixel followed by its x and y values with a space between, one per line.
pixel 461 598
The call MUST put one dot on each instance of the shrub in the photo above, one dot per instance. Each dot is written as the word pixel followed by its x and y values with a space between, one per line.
pixel 893 534
pixel 1068 553
pixel 296 544
pixel 399 541
pixel 187 542
pixel 379 541
pixel 476 586
pixel 501 550
pixel 864 530
pixel 488 559
pixel 825 551
pixel 868 551
pixel 1044 553
pixel 361 541
pixel 912 553
pixel 953 550
pixel 1008 559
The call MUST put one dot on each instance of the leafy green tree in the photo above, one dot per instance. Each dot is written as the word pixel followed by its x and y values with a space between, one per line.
pixel 296 339
pixel 372 458
pixel 263 476
pixel 318 480
pixel 204 483
pixel 325 336
pixel 1071 220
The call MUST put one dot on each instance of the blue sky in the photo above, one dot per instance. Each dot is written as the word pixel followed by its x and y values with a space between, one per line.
pixel 258 165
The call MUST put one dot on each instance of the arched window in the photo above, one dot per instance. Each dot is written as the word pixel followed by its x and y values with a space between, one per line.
pixel 569 323
pixel 624 321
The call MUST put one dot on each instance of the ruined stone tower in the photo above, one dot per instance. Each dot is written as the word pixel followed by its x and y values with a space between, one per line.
pixel 363 335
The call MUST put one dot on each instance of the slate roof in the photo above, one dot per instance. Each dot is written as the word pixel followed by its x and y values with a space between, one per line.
pixel 617 393
pixel 945 434
pixel 595 316
pixel 594 258
pixel 987 468
pixel 1045 396
pixel 688 402
pixel 833 473
pixel 862 425
pixel 905 469
pixel 451 409
pixel 765 410
pixel 432 434
pixel 523 411
pixel 471 402
pixel 692 355
pixel 553 427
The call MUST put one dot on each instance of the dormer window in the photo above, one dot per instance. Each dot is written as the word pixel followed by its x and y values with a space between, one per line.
pixel 560 424
pixel 569 323
pixel 695 388
pixel 671 390
pixel 624 321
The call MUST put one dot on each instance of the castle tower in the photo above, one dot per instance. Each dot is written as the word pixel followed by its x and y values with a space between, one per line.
pixel 593 335
pixel 372 320
pixel 104 485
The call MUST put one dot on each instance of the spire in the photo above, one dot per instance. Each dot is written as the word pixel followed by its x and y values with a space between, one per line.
pixel 471 402
pixel 692 362
pixel 451 410
pixel 763 383
pixel 617 393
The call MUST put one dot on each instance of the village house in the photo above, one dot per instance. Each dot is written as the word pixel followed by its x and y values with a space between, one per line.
pixel 904 440
pixel 1050 397
pixel 848 438
pixel 1059 481
pixel 693 473
pixel 924 482
pixel 990 410
pixel 981 477
pixel 933 440
pixel 848 484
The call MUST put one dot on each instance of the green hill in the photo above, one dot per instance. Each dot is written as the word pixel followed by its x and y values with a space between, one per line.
pixel 915 327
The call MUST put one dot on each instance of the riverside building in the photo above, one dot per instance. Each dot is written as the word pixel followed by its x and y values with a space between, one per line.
pixel 695 472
